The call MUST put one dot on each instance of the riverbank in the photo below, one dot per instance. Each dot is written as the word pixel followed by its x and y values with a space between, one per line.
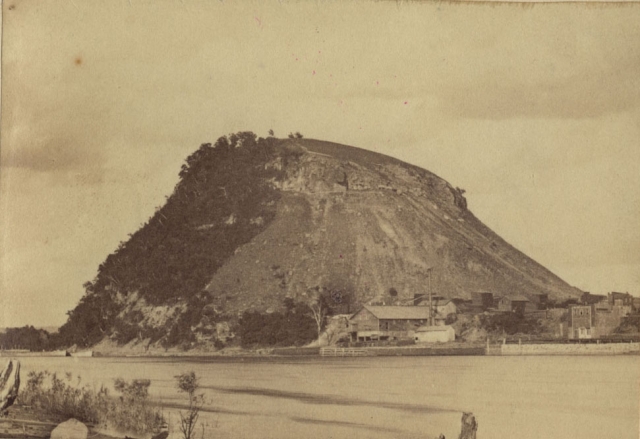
pixel 418 349
pixel 570 349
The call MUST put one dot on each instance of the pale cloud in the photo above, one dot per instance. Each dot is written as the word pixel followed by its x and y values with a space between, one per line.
pixel 533 111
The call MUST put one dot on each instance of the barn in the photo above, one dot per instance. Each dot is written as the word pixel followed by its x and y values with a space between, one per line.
pixel 387 322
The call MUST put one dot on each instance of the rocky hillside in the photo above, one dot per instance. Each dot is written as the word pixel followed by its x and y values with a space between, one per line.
pixel 255 221
pixel 355 221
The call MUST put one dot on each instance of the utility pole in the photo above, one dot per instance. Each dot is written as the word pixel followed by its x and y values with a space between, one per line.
pixel 430 271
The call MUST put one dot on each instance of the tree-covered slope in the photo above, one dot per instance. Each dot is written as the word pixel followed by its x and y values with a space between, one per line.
pixel 224 198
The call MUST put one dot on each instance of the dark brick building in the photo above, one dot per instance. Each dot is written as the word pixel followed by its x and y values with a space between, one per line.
pixel 581 321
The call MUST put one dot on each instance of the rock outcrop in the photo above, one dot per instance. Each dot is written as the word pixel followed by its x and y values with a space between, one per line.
pixel 71 429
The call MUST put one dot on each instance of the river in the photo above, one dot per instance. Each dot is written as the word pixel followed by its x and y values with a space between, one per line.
pixel 389 397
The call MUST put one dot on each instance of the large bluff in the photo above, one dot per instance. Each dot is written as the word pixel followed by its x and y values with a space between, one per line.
pixel 254 221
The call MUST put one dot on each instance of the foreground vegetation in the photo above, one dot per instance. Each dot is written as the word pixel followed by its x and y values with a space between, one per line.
pixel 130 410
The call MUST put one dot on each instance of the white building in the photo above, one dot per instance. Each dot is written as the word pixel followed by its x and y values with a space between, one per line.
pixel 435 334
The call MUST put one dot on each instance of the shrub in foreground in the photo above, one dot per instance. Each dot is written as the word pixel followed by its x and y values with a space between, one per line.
pixel 189 383
pixel 130 411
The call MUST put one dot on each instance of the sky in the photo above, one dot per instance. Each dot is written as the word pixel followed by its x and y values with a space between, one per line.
pixel 534 111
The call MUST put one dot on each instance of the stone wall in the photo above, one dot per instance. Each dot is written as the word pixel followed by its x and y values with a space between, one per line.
pixel 570 349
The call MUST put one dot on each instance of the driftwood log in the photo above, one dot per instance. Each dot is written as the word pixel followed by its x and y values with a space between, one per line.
pixel 9 384
pixel 469 426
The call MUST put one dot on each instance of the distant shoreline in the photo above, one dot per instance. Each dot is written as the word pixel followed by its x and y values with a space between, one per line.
pixel 444 349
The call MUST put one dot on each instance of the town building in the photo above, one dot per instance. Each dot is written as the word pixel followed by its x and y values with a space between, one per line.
pixel 434 334
pixel 541 301
pixel 387 322
pixel 596 320
pixel 502 303
pixel 443 308
pixel 581 322
pixel 482 300
pixel 620 304
pixel 518 304
pixel 591 299
pixel 620 299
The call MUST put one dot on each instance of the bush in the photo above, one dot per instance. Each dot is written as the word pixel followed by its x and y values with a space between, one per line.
pixel 629 325
pixel 124 331
pixel 294 327
pixel 131 411
pixel 510 323
pixel 26 337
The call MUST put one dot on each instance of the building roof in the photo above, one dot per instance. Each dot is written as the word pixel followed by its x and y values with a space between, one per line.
pixel 599 296
pixel 519 299
pixel 399 312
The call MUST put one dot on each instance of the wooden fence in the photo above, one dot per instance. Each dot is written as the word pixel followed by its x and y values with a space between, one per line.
pixel 345 352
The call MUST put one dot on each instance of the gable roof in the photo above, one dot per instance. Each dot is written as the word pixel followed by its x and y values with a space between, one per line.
pixel 519 299
pixel 398 312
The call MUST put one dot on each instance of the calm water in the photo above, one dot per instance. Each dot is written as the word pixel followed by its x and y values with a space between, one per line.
pixel 394 397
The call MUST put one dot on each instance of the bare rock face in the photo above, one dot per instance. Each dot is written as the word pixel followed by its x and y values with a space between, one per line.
pixel 9 384
pixel 365 224
pixel 71 429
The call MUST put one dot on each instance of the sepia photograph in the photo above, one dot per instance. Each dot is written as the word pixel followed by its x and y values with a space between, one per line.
pixel 317 219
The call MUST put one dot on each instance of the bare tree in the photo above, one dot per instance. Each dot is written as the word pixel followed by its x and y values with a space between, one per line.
pixel 189 383
pixel 319 312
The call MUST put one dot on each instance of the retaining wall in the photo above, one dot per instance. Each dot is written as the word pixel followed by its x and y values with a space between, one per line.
pixel 570 349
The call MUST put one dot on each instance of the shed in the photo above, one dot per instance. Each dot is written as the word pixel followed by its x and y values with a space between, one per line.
pixel 444 307
pixel 519 304
pixel 435 334
pixel 514 304
pixel 541 300
pixel 482 299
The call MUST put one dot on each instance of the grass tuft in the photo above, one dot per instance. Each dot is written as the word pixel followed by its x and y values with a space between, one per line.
pixel 128 411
